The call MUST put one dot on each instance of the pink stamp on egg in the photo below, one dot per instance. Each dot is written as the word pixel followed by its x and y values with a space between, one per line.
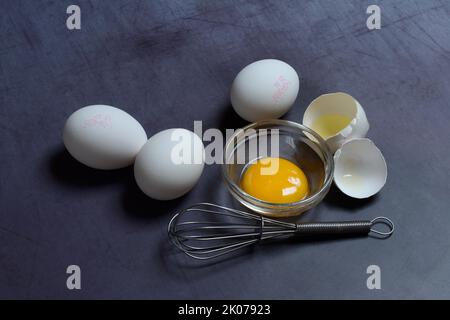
pixel 282 85
pixel 98 120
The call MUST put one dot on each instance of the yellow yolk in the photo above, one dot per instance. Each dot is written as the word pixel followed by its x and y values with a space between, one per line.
pixel 275 180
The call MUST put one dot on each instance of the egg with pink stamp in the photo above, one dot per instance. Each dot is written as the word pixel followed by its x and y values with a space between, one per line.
pixel 265 89
pixel 103 137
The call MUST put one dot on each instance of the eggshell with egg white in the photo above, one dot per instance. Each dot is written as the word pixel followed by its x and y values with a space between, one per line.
pixel 264 89
pixel 360 170
pixel 103 137
pixel 169 164
pixel 343 104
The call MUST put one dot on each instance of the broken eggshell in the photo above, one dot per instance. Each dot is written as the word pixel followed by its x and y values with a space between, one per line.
pixel 342 104
pixel 360 170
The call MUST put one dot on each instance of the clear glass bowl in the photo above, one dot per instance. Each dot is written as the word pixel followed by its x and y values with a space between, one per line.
pixel 296 143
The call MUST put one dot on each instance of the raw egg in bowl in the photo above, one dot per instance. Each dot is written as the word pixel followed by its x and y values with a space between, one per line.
pixel 277 168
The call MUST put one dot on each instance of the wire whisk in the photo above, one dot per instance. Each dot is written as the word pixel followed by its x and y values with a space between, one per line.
pixel 205 230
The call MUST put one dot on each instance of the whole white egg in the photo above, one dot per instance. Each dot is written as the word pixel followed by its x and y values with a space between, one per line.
pixel 264 89
pixel 103 137
pixel 169 164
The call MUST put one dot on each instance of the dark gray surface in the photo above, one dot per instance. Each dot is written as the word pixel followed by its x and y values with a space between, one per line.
pixel 169 63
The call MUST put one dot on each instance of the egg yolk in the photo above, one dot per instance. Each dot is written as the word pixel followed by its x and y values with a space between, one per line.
pixel 275 180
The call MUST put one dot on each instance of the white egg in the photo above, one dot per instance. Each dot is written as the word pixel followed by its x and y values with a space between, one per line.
pixel 103 137
pixel 169 164
pixel 326 113
pixel 360 170
pixel 265 89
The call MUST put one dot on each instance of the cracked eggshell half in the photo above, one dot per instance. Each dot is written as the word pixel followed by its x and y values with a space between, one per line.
pixel 264 89
pixel 360 169
pixel 337 118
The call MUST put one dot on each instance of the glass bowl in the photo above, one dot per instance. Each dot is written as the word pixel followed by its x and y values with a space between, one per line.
pixel 284 139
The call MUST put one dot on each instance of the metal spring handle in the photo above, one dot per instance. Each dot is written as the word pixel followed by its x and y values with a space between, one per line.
pixel 346 228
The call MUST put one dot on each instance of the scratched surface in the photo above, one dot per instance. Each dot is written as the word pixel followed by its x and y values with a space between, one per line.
pixel 169 63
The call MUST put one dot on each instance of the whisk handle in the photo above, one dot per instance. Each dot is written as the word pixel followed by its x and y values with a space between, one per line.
pixel 334 228
pixel 348 228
